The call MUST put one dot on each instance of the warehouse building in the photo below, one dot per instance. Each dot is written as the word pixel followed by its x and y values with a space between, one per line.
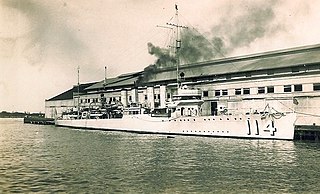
pixel 287 80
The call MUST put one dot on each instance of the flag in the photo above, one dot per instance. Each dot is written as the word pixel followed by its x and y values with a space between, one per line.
pixel 176 7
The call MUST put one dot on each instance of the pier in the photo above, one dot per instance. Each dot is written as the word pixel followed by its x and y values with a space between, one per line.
pixel 307 132
pixel 38 120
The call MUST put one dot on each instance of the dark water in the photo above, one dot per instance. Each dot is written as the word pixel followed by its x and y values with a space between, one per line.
pixel 47 159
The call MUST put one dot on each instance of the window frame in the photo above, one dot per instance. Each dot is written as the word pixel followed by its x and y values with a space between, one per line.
pixel 270 89
pixel 287 88
pixel 261 90
pixel 205 93
pixel 298 88
pixel 237 91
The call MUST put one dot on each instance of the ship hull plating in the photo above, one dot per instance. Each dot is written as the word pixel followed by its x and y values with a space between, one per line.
pixel 251 126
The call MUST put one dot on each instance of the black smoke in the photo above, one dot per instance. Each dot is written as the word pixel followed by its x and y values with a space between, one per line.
pixel 195 47
pixel 163 55
pixel 252 20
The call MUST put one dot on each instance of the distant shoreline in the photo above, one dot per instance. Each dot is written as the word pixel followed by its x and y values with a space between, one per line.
pixel 5 114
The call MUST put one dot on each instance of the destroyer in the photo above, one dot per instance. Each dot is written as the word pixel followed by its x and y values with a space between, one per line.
pixel 182 116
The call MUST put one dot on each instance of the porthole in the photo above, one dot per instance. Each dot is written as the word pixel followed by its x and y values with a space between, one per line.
pixel 228 119
pixel 220 119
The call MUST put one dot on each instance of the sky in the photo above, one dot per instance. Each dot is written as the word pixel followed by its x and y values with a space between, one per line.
pixel 42 42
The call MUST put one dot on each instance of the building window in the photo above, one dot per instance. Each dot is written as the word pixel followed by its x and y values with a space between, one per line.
pixel 81 101
pixel 298 88
pixel 168 96
pixel 145 97
pixel 270 89
pixel 316 87
pixel 261 90
pixel 238 91
pixel 205 93
pixel 224 92
pixel 217 93
pixel 287 88
pixel 158 96
pixel 246 90
pixel 130 98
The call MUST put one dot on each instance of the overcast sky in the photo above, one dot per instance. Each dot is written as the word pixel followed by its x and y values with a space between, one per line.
pixel 43 42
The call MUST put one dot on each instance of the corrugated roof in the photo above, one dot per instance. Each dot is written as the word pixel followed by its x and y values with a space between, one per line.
pixel 122 80
pixel 263 61
pixel 67 95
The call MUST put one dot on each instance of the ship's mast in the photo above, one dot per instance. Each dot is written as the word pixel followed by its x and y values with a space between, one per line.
pixel 177 42
pixel 105 78
pixel 78 96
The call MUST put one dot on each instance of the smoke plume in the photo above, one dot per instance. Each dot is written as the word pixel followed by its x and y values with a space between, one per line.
pixel 251 21
pixel 195 47
pixel 255 21
pixel 163 55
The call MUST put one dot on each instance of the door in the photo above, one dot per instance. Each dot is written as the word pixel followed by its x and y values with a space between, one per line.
pixel 214 106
